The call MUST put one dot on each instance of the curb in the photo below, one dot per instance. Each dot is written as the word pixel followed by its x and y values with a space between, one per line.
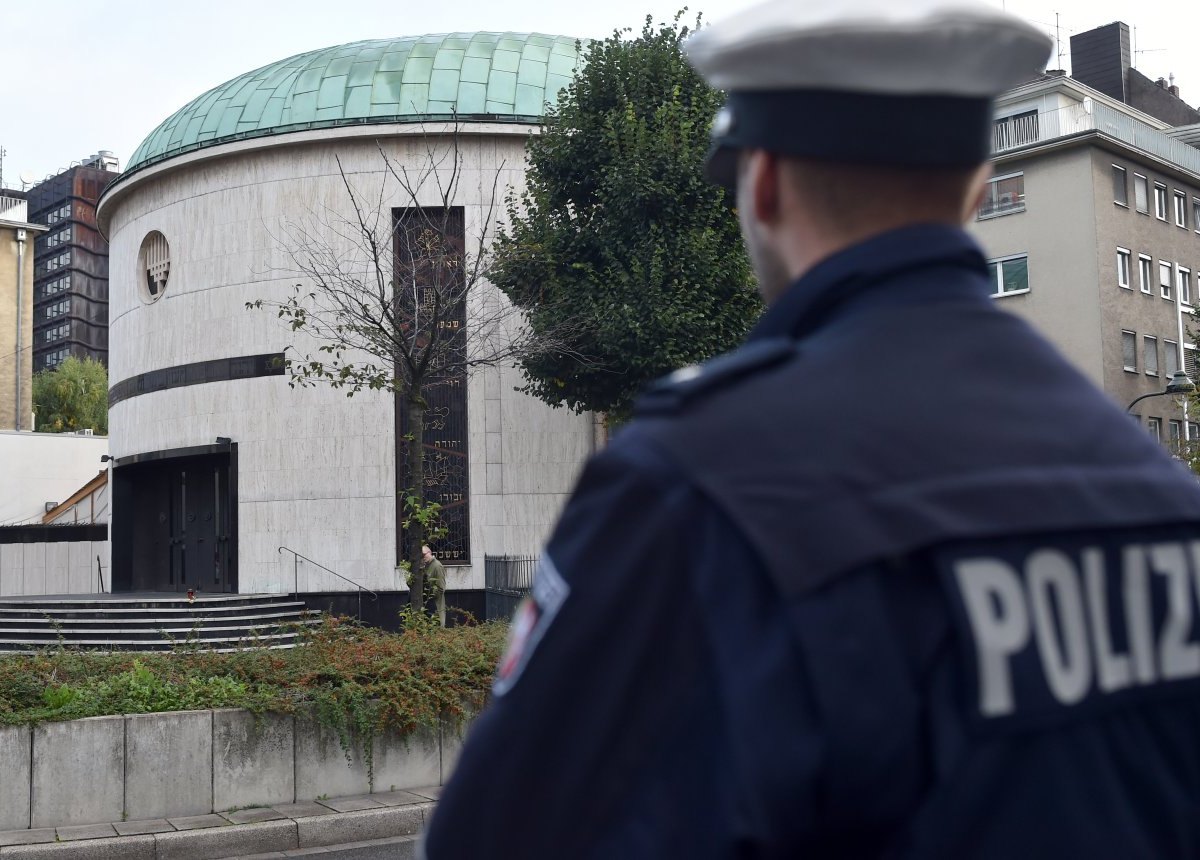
pixel 312 829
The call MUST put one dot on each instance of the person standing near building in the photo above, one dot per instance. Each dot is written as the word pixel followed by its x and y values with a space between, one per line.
pixel 435 582
pixel 891 580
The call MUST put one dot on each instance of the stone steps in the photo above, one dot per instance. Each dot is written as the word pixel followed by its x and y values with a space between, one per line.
pixel 152 622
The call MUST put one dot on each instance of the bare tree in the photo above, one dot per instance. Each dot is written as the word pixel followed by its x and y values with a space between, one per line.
pixel 395 296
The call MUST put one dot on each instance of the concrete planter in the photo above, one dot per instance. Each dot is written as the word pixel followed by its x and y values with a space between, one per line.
pixel 144 766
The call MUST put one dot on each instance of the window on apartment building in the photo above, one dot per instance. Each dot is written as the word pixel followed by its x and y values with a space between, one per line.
pixel 1154 425
pixel 1164 279
pixel 1145 272
pixel 1170 357
pixel 1129 350
pixel 63 259
pixel 1175 430
pixel 62 306
pixel 1183 280
pixel 62 282
pixel 1009 275
pixel 1196 213
pixel 1181 209
pixel 57 332
pixel 1189 361
pixel 1003 195
pixel 1193 430
pixel 1160 201
pixel 1120 186
pixel 1123 256
pixel 59 214
pixel 1150 355
pixel 1141 194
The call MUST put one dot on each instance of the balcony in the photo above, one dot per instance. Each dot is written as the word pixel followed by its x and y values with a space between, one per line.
pixel 1031 128
pixel 13 209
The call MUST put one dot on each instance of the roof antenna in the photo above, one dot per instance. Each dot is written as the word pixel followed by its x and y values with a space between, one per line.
pixel 1058 41
pixel 1138 52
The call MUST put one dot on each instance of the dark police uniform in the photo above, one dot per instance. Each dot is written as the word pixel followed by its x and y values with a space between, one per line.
pixel 757 632
pixel 891 580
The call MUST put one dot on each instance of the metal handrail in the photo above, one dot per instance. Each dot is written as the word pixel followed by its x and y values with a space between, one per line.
pixel 296 577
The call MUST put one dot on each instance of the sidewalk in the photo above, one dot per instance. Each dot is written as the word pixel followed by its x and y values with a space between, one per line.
pixel 383 824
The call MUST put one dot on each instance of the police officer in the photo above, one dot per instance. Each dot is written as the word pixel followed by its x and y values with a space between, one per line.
pixel 893 579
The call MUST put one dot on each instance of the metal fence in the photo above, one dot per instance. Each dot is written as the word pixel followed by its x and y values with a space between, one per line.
pixel 506 579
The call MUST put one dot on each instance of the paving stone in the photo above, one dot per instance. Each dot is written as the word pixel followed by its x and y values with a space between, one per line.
pixel 433 792
pixel 398 798
pixel 368 824
pixel 226 841
pixel 26 837
pixel 149 825
pixel 197 822
pixel 303 809
pixel 116 848
pixel 354 803
pixel 252 816
pixel 85 831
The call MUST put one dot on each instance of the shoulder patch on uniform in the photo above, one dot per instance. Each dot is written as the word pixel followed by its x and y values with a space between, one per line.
pixel 673 392
pixel 529 623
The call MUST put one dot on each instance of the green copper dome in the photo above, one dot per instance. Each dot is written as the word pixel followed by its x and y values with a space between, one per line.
pixel 505 77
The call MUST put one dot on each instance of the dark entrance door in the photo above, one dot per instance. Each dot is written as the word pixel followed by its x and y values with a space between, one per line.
pixel 174 524
pixel 199 536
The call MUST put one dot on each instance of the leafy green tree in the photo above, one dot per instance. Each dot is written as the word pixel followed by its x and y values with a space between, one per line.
pixel 620 230
pixel 72 396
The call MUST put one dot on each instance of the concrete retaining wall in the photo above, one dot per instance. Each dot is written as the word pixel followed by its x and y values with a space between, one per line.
pixel 145 766
pixel 67 567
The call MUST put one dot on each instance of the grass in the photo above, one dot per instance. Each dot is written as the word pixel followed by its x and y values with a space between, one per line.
pixel 356 679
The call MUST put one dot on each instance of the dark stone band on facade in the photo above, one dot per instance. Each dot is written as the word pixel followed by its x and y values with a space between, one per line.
pixel 216 370
pixel 49 533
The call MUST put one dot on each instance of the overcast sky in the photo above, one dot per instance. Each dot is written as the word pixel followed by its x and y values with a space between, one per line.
pixel 84 76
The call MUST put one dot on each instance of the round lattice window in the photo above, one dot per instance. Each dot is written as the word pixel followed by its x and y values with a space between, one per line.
pixel 154 266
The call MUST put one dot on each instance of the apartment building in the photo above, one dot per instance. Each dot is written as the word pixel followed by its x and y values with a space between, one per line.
pixel 1092 226
pixel 71 264
pixel 17 238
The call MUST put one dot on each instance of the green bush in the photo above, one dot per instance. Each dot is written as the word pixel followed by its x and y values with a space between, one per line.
pixel 355 679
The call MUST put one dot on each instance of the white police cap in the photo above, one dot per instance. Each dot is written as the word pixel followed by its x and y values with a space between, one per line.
pixel 899 82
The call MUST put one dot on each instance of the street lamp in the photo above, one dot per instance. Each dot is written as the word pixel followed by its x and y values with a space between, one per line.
pixel 1179 385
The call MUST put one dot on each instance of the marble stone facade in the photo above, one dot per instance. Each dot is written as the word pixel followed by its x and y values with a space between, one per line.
pixel 315 468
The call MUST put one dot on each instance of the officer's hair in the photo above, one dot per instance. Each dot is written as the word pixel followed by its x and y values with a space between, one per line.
pixel 849 197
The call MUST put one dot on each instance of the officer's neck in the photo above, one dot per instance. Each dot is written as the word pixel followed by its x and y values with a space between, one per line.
pixel 808 241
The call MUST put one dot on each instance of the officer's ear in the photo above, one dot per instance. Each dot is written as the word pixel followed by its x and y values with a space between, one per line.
pixel 758 185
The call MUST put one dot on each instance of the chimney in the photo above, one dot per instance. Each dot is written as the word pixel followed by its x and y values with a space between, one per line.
pixel 1100 58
